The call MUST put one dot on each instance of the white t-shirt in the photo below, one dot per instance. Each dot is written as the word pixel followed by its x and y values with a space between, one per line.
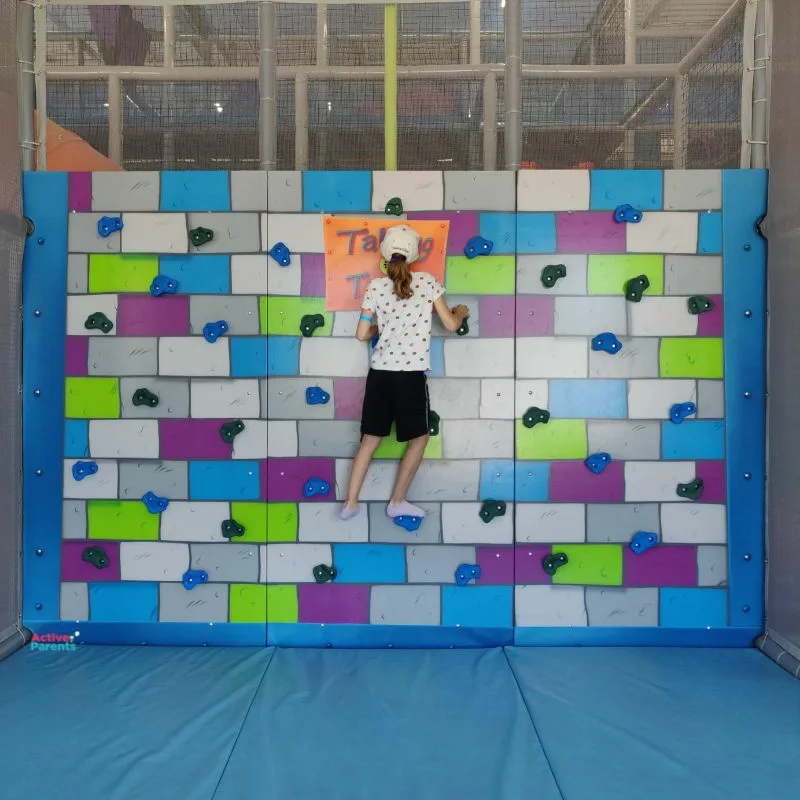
pixel 404 325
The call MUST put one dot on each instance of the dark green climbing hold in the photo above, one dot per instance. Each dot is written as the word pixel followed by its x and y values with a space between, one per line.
pixel 96 556
pixel 433 423
pixel 533 416
pixel 552 563
pixel 200 236
pixel 636 287
pixel 324 574
pixel 492 509
pixel 230 430
pixel 394 206
pixel 231 528
pixel 98 322
pixel 551 273
pixel 310 322
pixel 464 329
pixel 691 490
pixel 144 397
pixel 699 304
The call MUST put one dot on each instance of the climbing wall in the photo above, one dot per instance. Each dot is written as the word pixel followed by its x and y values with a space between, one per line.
pixel 583 484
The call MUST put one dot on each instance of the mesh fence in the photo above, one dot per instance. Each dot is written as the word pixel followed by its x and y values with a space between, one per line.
pixel 332 57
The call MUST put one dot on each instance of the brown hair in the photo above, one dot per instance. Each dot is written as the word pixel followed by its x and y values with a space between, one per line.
pixel 400 273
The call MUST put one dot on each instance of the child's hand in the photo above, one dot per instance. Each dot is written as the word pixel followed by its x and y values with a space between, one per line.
pixel 462 312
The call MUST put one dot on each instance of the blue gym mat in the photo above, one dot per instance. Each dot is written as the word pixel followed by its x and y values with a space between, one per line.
pixel 542 723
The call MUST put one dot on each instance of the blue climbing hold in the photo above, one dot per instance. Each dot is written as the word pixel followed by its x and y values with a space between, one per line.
pixel 213 330
pixel 627 213
pixel 598 462
pixel 280 252
pixel 317 396
pixel 411 524
pixel 194 577
pixel 316 487
pixel 154 503
pixel 680 411
pixel 642 541
pixel 163 285
pixel 607 343
pixel 80 469
pixel 374 341
pixel 467 572
pixel 108 225
pixel 478 246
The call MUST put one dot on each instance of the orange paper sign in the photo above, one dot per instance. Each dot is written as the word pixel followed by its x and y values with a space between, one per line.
pixel 353 258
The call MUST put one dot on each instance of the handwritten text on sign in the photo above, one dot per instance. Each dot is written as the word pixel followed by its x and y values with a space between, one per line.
pixel 353 258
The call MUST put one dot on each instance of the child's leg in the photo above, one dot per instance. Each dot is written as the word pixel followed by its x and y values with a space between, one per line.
pixel 408 469
pixel 358 472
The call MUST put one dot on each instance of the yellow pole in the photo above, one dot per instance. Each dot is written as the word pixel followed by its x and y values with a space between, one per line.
pixel 390 86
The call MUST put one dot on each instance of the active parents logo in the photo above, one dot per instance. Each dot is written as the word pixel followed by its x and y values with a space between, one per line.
pixel 54 642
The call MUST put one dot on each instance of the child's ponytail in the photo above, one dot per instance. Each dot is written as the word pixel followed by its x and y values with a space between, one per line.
pixel 400 273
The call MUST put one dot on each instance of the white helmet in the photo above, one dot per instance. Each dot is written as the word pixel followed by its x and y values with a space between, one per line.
pixel 400 240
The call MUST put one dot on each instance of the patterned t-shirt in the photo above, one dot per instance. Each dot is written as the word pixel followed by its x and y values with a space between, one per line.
pixel 404 325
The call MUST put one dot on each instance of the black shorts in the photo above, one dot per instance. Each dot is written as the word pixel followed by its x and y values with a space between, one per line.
pixel 399 397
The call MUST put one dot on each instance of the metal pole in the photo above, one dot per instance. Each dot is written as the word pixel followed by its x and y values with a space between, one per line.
pixel 474 31
pixel 759 143
pixel 40 79
pixel 268 88
pixel 115 119
pixel 168 138
pixel 681 135
pixel 390 87
pixel 490 122
pixel 301 122
pixel 322 35
pixel 629 153
pixel 27 88
pixel 512 23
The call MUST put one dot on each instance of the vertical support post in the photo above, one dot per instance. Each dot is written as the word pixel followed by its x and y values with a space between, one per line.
pixel 169 155
pixel 267 87
pixel 759 145
pixel 681 111
pixel 490 121
pixel 115 118
pixel 474 31
pixel 630 86
pixel 322 35
pixel 512 23
pixel 27 89
pixel 390 87
pixel 40 80
pixel 301 121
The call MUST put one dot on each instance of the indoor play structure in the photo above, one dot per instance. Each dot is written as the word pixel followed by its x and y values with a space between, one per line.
pixel 584 610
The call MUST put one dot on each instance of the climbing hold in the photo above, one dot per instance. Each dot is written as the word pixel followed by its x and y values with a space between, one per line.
pixel 316 396
pixel 213 330
pixel 680 411
pixel 200 236
pixel 96 556
pixel 232 528
pixel 464 329
pixel 154 503
pixel 394 206
pixel 478 246
pixel 635 288
pixel 433 423
pixel 280 253
pixel 552 563
pixel 411 524
pixel 607 343
pixel 98 321
pixel 533 416
pixel 691 490
pixel 598 462
pixel 230 430
pixel 108 225
pixel 699 304
pixel 492 509
pixel 316 486
pixel 467 572
pixel 310 322
pixel 324 574
pixel 144 397
pixel 373 342
pixel 163 285
pixel 642 541
pixel 194 577
pixel 627 213
pixel 81 469
pixel 551 273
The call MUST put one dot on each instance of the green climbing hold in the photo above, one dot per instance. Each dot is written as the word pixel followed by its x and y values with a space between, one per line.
pixel 552 563
pixel 200 236
pixel 98 322
pixel 533 416
pixel 433 423
pixel 144 397
pixel 96 556
pixel 636 287
pixel 551 273
pixel 231 528
pixel 691 490
pixel 699 304
pixel 324 574
pixel 394 206
pixel 492 509
pixel 230 430
pixel 464 329
pixel 310 322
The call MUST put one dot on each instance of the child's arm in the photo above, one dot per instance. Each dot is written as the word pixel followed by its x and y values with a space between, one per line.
pixel 366 326
pixel 450 319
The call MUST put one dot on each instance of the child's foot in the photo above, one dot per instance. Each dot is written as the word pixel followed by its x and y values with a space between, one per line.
pixel 404 509
pixel 348 513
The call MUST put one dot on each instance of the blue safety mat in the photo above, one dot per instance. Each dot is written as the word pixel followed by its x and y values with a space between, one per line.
pixel 520 724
